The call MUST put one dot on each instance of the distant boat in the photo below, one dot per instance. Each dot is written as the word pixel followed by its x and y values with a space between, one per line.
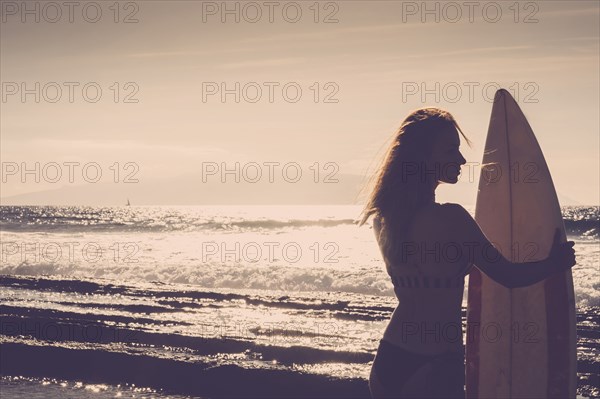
pixel 128 203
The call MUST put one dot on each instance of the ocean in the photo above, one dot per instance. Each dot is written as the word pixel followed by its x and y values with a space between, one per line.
pixel 214 301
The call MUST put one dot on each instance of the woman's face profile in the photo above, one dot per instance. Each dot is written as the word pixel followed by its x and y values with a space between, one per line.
pixel 446 156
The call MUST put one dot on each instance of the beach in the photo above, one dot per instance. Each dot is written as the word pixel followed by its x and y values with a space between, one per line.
pixel 214 301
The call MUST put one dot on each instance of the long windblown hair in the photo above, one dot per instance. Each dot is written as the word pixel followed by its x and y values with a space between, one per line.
pixel 406 179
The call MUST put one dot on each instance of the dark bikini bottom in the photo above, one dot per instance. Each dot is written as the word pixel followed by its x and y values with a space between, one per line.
pixel 440 376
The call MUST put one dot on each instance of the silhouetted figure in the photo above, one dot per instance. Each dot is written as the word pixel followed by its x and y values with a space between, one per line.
pixel 421 354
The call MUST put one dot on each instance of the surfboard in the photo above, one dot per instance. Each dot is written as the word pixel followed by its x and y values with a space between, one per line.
pixel 520 342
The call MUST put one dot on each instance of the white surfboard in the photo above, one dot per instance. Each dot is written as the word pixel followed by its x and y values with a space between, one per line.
pixel 521 342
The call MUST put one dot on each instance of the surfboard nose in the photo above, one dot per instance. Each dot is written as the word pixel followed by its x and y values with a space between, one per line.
pixel 505 104
pixel 500 94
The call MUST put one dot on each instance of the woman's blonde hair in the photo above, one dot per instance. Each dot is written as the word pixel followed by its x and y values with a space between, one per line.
pixel 400 186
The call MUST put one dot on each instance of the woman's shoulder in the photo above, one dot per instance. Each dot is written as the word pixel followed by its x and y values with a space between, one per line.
pixel 452 209
pixel 442 217
pixel 456 220
pixel 448 205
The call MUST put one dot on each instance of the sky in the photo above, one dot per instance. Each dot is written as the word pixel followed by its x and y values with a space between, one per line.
pixel 153 123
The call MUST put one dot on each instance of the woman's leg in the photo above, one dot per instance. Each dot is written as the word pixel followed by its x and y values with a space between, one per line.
pixel 392 367
pixel 449 375
pixel 442 377
pixel 377 390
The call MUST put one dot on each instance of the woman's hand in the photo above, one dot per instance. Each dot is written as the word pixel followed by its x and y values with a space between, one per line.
pixel 562 256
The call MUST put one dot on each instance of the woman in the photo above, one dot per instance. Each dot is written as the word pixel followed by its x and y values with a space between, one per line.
pixel 421 353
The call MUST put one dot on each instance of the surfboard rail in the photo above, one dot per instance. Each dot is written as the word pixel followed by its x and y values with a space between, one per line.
pixel 521 342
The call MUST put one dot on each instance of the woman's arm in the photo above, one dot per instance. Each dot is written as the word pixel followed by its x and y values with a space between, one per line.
pixel 488 259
